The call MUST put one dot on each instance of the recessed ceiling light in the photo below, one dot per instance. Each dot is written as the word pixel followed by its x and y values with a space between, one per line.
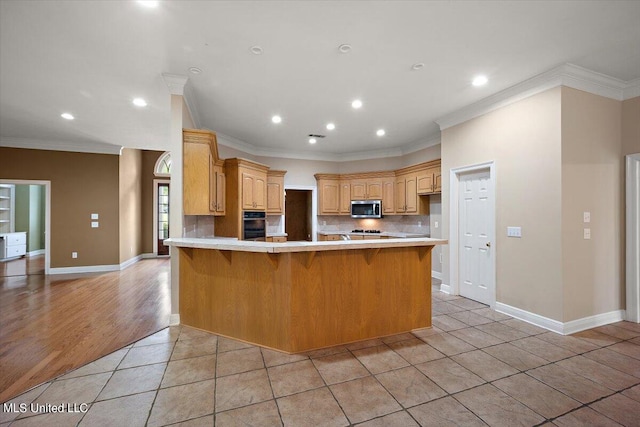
pixel 149 4
pixel 276 119
pixel 312 140
pixel 356 104
pixel 344 48
pixel 380 132
pixel 67 116
pixel 418 66
pixel 331 126
pixel 480 80
pixel 195 70
pixel 256 50
pixel 139 102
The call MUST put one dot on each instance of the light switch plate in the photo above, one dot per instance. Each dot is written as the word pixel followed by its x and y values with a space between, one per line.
pixel 514 231
pixel 94 224
pixel 586 216
pixel 94 216
pixel 587 233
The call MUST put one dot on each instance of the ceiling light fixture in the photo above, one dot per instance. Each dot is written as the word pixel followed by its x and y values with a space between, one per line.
pixel 139 102
pixel 380 132
pixel 256 50
pixel 67 116
pixel 417 66
pixel 276 119
pixel 331 126
pixel 149 4
pixel 479 81
pixel 344 48
pixel 312 140
pixel 356 104
pixel 195 70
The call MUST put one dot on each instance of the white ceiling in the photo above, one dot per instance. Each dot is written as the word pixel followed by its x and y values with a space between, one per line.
pixel 91 58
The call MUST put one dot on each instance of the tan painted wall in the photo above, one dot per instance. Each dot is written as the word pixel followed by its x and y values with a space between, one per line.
pixel 149 159
pixel 523 139
pixel 631 126
pixel 81 184
pixel 130 183
pixel 592 181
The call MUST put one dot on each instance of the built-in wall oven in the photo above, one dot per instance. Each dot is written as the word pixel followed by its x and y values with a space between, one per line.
pixel 254 226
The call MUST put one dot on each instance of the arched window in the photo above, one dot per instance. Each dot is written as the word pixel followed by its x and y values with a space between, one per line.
pixel 163 165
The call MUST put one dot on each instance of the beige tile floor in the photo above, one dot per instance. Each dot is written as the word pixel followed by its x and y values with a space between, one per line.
pixel 474 367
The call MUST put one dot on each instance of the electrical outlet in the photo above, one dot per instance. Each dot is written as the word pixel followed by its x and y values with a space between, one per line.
pixel 586 216
pixel 94 216
pixel 95 224
pixel 587 233
pixel 324 222
pixel 436 224
pixel 440 258
pixel 419 224
pixel 74 254
pixel 514 231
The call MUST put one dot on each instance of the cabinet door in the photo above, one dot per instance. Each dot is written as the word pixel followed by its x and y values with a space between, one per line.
pixel 247 191
pixel 437 181
pixel 388 201
pixel 260 192
pixel 374 190
pixel 220 180
pixel 412 194
pixel 425 182
pixel 358 190
pixel 196 177
pixel 329 197
pixel 275 195
pixel 345 197
pixel 401 195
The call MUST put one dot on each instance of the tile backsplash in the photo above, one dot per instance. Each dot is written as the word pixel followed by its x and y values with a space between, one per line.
pixel 198 226
pixel 397 223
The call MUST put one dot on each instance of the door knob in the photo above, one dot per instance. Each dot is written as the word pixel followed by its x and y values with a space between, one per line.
pixel 488 244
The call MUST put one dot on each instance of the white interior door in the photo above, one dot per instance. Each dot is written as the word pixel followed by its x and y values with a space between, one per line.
pixel 476 224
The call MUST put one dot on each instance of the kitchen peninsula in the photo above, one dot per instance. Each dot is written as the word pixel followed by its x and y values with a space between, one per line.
pixel 300 296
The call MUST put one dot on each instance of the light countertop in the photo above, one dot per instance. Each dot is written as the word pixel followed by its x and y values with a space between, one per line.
pixel 396 234
pixel 270 247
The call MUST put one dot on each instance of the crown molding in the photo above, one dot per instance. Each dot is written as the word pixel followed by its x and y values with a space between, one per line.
pixel 175 83
pixel 231 142
pixel 568 75
pixel 51 145
pixel 632 90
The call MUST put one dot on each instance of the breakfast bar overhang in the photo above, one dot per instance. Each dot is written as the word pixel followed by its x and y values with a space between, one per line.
pixel 300 296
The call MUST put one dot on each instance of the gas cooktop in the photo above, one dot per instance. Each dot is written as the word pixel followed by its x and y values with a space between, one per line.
pixel 365 231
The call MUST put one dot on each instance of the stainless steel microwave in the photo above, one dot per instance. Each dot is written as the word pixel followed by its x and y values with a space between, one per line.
pixel 366 209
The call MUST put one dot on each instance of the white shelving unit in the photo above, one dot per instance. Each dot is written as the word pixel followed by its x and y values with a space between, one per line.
pixel 7 208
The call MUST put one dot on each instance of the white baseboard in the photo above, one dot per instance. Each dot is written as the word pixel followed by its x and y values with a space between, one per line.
pixel 436 274
pixel 174 319
pixel 556 326
pixel 151 255
pixel 95 268
pixel 36 252
pixel 445 288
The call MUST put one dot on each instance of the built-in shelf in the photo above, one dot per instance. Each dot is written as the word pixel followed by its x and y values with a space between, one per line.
pixel 7 208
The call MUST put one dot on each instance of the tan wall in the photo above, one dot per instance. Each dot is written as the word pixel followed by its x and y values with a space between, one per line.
pixel 523 139
pixel 631 126
pixel 149 159
pixel 130 204
pixel 592 181
pixel 81 184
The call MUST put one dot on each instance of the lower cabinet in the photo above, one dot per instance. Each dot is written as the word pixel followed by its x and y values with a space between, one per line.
pixel 276 239
pixel 13 245
pixel 326 237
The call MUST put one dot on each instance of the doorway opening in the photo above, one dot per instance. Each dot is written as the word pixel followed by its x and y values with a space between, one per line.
pixel 297 222
pixel 472 233
pixel 25 212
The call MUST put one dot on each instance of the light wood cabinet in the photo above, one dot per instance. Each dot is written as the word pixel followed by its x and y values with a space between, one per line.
pixel 275 192
pixel 276 239
pixel 407 199
pixel 254 190
pixel 345 197
pixel 366 190
pixel 202 174
pixel 388 199
pixel 430 181
pixel 329 237
pixel 328 196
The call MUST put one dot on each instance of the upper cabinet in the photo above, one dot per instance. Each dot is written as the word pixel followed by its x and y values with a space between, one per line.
pixel 201 191
pixel 254 189
pixel 275 192
pixel 401 191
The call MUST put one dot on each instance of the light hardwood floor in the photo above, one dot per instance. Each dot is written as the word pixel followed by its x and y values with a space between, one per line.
pixel 50 325
pixel 22 266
